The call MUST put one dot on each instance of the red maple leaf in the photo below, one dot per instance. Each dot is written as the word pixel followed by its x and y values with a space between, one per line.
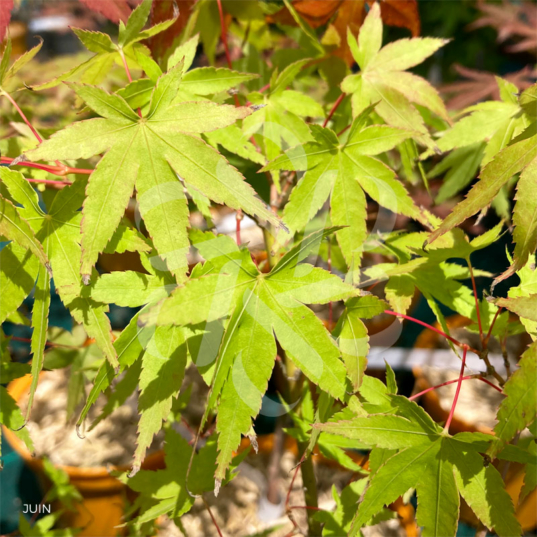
pixel 114 10
pixel 518 22
pixel 482 85
pixel 5 16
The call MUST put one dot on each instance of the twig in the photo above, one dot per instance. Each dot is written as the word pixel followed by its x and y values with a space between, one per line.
pixel 212 516
pixel 21 114
pixel 487 337
pixel 60 171
pixel 47 343
pixel 224 41
pixel 334 108
pixel 126 66
pixel 311 508
pixel 330 305
pixel 478 312
pixel 458 390
pixel 452 339
pixel 468 377
pixel 343 130
pixel 238 220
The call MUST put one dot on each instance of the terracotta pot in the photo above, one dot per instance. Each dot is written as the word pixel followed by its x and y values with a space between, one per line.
pixel 103 503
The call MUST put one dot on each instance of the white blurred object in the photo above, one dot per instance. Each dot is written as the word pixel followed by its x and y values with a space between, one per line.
pixel 49 23
pixel 268 511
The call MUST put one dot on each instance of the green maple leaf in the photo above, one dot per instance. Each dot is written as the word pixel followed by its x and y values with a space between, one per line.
pixel 345 172
pixel 524 220
pixel 158 154
pixel 169 491
pixel 107 53
pixel 261 308
pixel 461 166
pixel 519 408
pixel 59 232
pixel 196 85
pixel 494 122
pixel 509 161
pixel 438 466
pixel 163 369
pixel 279 118
pixel 129 347
pixel 7 72
pixel 383 78
pixel 523 306
pixel 527 287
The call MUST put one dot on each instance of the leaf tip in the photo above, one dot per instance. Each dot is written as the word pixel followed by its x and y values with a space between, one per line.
pixel 217 486
pixel 256 107
pixel 79 433
pixel 86 279
pixel 134 470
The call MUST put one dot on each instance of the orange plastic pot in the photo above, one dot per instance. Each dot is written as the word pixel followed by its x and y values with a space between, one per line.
pixel 104 497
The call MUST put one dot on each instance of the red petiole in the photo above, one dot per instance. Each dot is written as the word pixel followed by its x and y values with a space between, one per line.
pixel 458 391
pixel 447 383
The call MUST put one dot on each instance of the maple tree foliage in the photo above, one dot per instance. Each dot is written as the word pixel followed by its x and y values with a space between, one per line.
pixel 512 21
pixel 481 85
pixel 333 150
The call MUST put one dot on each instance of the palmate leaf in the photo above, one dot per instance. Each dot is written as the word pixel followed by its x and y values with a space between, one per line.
pixel 59 232
pixel 519 408
pixel 353 341
pixel 170 491
pixel 439 467
pixel 345 172
pixel 14 227
pixel 163 369
pixel 108 53
pixel 383 79
pixel 7 72
pixel 18 272
pixel 279 119
pixel 507 162
pixel 154 154
pixel 261 308
pixel 524 220
pixel 197 84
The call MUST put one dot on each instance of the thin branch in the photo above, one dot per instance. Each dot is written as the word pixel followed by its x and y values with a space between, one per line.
pixel 127 70
pixel 310 507
pixel 487 337
pixel 334 108
pixel 447 383
pixel 343 130
pixel 478 312
pixel 238 220
pixel 21 114
pixel 223 31
pixel 452 339
pixel 330 304
pixel 212 516
pixel 60 171
pixel 25 119
pixel 458 390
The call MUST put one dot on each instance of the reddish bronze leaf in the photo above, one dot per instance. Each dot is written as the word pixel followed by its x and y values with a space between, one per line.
pixel 114 10
pixel 481 85
pixel 511 21
pixel 5 16
pixel 165 10
pixel 401 13
pixel 350 13
pixel 314 12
